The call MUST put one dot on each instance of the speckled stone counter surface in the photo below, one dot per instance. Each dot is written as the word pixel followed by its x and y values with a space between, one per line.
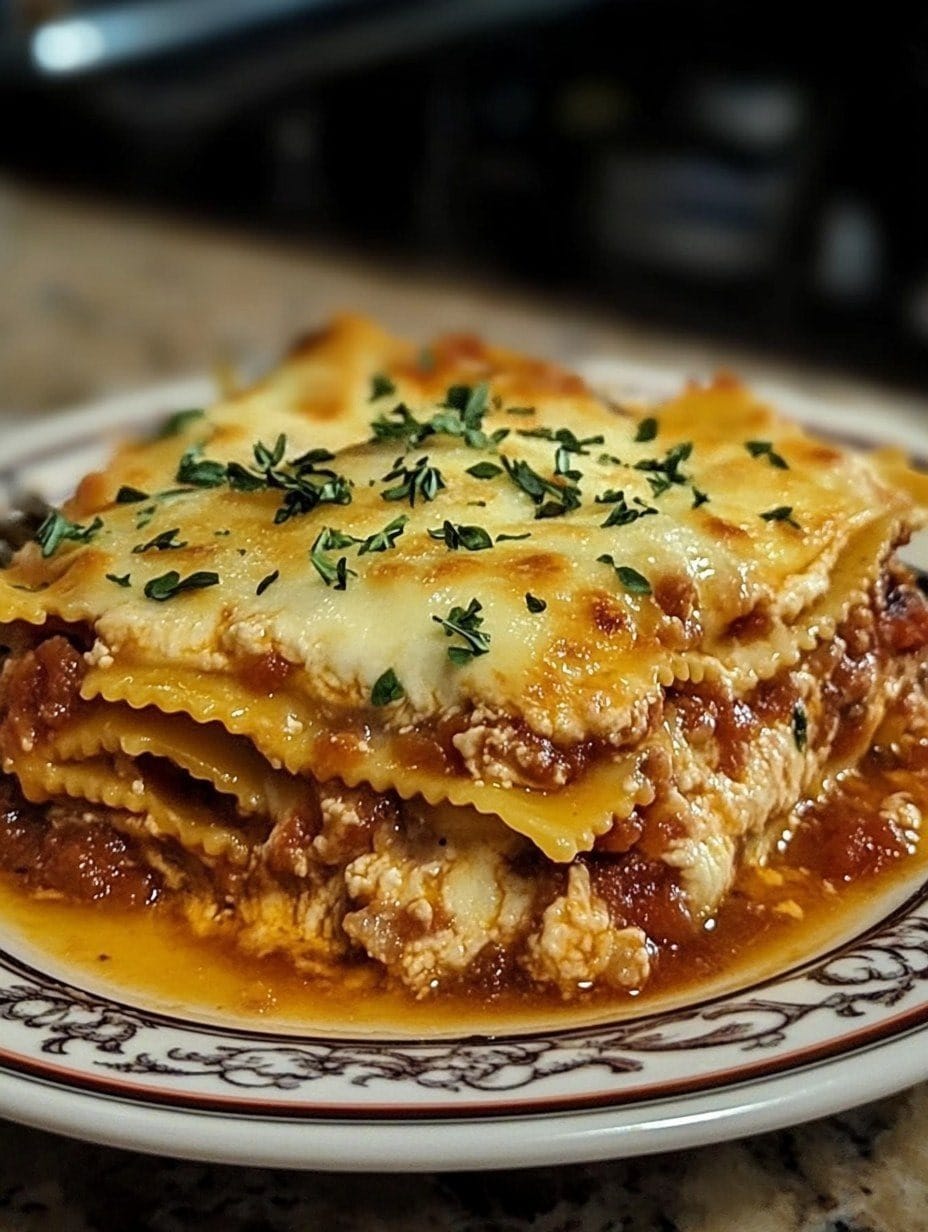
pixel 94 300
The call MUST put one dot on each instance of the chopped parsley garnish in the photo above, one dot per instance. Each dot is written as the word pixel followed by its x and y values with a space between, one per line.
pixel 484 470
pixel 161 543
pixel 170 584
pixel 471 538
pixel 381 386
pixel 267 581
pixel 384 539
pixel 633 581
pixel 123 580
pixel 334 573
pixel 420 481
pixel 647 429
pixel 387 689
pixel 623 514
pixel 664 472
pixel 563 497
pixel 130 496
pixel 56 528
pixel 176 423
pixel 800 725
pixel 764 449
pixel 782 513
pixel 465 623
pixel 461 416
pixel 699 497
pixel 533 604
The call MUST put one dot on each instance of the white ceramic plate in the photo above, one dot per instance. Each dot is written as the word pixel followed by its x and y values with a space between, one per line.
pixel 849 1026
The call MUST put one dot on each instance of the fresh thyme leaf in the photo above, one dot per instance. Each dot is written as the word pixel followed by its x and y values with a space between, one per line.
pixel 471 538
pixel 381 386
pixel 609 459
pixel 144 516
pixel 56 528
pixel 384 539
pixel 130 496
pixel 534 605
pixel 647 429
pixel 124 580
pixel 484 470
pixel 267 581
pixel 221 534
pixel 387 689
pixel 170 584
pixel 331 539
pixel 465 623
pixel 161 543
pixel 419 481
pixel 333 573
pixel 800 724
pixel 176 423
pixel 564 497
pixel 310 460
pixel 699 497
pixel 200 472
pixel 511 538
pixel 622 514
pixel 633 581
pixel 563 437
pixel 267 459
pixel 764 449
pixel 400 425
pixel 243 480
pixel 782 513
pixel 663 472
pixel 520 410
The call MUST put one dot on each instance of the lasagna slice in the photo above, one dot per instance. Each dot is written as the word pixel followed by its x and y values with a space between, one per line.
pixel 436 661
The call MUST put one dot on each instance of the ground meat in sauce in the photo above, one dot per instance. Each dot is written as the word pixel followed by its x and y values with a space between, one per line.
pixel 82 860
pixel 39 691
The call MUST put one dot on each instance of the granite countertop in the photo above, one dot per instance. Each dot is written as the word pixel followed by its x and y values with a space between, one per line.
pixel 94 300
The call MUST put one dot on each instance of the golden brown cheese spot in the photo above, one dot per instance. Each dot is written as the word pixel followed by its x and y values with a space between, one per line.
pixel 539 567
pixel 608 615
pixel 93 493
pixel 727 532
pixel 752 626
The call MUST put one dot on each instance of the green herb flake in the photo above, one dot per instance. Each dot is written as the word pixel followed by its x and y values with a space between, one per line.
pixel 381 386
pixel 520 410
pixel 782 513
pixel 563 497
pixel 699 497
pixel 633 581
pixel 465 623
pixel 420 481
pixel 56 528
pixel 663 472
pixel 534 604
pixel 384 539
pixel 171 584
pixel 176 423
pixel 124 580
pixel 130 496
pixel 623 514
pixel 161 543
pixel 647 430
pixel 513 538
pixel 199 472
pixel 484 470
pixel 800 724
pixel 387 689
pixel 471 538
pixel 267 581
pixel 334 573
pixel 764 449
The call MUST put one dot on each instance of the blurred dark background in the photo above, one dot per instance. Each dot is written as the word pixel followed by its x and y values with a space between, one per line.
pixel 756 171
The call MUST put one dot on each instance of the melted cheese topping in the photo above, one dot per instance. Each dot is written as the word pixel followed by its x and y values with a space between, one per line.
pixel 584 669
